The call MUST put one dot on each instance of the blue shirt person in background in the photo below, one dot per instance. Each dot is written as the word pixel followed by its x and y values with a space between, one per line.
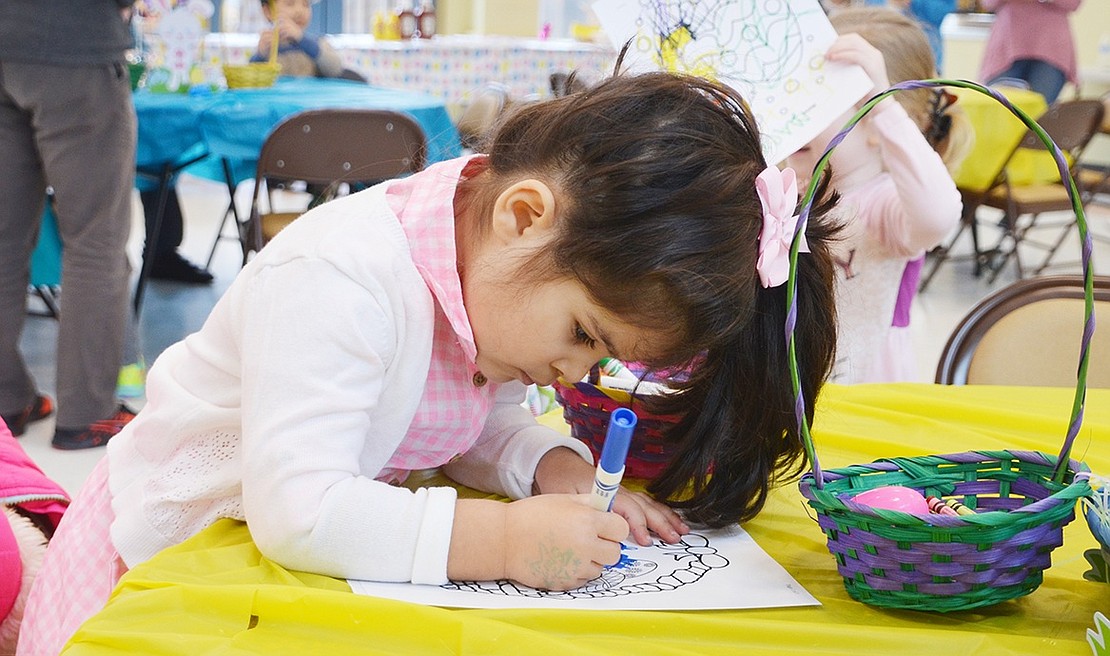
pixel 930 14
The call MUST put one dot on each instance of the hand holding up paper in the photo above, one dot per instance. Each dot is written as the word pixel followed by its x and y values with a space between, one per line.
pixel 773 54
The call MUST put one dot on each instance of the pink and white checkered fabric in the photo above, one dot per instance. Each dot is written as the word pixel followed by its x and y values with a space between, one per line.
pixel 453 408
pixel 78 573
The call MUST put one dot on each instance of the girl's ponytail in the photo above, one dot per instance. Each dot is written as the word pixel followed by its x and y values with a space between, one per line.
pixel 745 436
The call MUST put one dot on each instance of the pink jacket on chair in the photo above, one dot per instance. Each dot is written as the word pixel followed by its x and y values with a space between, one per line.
pixel 22 484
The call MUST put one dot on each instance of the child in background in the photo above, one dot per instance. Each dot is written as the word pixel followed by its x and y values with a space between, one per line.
pixel 395 329
pixel 300 53
pixel 897 196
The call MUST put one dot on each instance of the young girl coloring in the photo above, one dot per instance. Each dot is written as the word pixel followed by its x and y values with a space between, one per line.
pixel 897 197
pixel 395 329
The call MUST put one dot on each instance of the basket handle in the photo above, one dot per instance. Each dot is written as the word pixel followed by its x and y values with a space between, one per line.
pixel 1076 420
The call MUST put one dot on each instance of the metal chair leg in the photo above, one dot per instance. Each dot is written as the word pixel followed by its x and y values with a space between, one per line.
pixel 232 211
pixel 941 254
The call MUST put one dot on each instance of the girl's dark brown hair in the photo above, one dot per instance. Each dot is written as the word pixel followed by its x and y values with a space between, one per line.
pixel 659 220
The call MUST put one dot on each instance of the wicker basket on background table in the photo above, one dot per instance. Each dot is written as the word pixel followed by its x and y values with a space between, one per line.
pixel 1022 499
pixel 587 405
pixel 256 75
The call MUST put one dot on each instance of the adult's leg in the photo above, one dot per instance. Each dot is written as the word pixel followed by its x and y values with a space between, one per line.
pixel 170 231
pixel 1016 74
pixel 1045 79
pixel 167 263
pixel 1041 77
pixel 22 196
pixel 87 140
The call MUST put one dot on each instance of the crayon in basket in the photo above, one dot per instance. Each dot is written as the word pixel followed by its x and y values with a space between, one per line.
pixel 939 507
pixel 960 508
pixel 615 368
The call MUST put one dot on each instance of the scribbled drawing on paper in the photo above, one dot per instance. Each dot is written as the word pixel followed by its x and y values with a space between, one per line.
pixel 671 567
pixel 771 51
pixel 755 43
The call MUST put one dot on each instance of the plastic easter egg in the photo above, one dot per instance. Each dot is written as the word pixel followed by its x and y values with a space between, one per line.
pixel 894 497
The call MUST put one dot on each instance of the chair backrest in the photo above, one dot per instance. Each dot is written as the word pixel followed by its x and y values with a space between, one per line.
pixel 1105 127
pixel 322 146
pixel 1028 333
pixel 1070 123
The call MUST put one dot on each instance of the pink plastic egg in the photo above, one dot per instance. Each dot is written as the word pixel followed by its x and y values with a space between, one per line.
pixel 894 497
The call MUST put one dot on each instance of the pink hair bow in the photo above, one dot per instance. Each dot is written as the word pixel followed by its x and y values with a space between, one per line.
pixel 778 193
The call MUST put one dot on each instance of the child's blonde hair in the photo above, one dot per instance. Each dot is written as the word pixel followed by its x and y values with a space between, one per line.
pixel 908 56
pixel 659 220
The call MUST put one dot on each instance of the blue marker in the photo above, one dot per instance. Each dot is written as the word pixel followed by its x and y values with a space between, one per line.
pixel 610 467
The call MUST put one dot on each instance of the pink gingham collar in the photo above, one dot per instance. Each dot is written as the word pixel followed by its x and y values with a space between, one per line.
pixel 424 204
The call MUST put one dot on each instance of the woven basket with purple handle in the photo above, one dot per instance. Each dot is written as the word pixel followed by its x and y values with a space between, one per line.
pixel 1022 499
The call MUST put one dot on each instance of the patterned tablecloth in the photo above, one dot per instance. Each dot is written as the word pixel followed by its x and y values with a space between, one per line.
pixel 452 68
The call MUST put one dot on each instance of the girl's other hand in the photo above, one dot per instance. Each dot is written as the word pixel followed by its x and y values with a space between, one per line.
pixel 854 49
pixel 290 32
pixel 563 471
pixel 646 516
pixel 559 542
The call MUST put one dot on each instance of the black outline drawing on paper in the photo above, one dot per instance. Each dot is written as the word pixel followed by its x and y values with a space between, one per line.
pixel 660 567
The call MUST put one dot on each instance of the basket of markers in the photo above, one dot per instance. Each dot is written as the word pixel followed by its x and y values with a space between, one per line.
pixel 588 403
pixel 956 531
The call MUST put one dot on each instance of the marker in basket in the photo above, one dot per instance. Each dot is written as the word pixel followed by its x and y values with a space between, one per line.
pixel 610 466
pixel 615 368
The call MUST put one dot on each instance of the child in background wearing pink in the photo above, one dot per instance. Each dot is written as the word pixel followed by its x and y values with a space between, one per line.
pixel 897 197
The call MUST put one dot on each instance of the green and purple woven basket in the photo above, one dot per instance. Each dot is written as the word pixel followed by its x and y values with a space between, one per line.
pixel 1022 499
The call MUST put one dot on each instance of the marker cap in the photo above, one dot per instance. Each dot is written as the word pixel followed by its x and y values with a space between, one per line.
pixel 622 422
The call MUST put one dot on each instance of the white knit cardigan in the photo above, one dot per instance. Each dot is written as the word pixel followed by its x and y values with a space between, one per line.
pixel 281 413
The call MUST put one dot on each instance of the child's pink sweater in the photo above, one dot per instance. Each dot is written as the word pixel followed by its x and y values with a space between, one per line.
pixel 890 219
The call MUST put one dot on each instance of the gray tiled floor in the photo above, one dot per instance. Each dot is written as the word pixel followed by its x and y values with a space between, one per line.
pixel 171 311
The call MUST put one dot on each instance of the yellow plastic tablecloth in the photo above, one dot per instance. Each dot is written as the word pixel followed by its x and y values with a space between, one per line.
pixel 215 594
pixel 997 132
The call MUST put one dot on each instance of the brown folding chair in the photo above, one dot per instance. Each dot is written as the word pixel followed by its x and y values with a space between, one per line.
pixel 1028 333
pixel 1095 179
pixel 327 148
pixel 1071 124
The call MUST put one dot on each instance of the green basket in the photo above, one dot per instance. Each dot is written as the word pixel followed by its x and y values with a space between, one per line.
pixel 1022 499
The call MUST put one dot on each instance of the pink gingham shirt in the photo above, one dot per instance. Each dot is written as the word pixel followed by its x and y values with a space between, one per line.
pixel 454 406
